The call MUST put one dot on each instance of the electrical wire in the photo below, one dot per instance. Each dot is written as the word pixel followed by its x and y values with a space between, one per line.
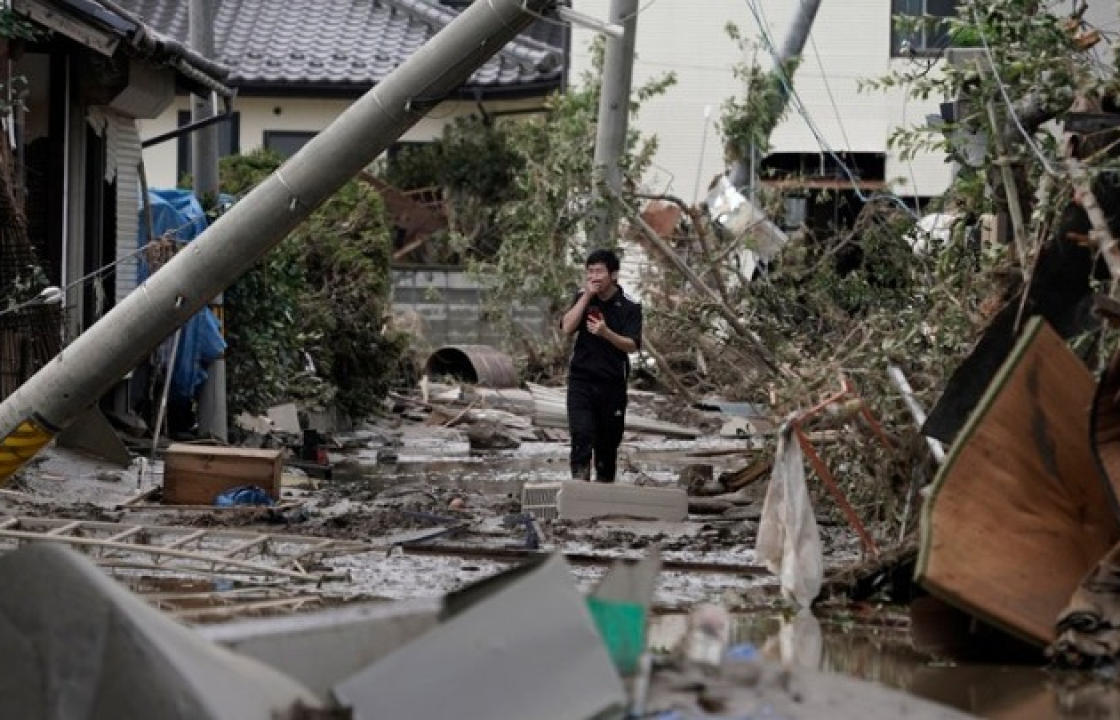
pixel 828 89
pixel 799 106
pixel 172 234
pixel 1007 99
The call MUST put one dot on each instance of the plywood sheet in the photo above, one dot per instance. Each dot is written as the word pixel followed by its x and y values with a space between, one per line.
pixel 1105 429
pixel 1020 510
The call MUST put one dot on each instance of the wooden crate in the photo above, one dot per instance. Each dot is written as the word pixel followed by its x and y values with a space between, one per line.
pixel 196 474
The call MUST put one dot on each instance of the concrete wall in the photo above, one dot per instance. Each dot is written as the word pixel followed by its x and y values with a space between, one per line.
pixel 852 40
pixel 444 307
pixel 261 114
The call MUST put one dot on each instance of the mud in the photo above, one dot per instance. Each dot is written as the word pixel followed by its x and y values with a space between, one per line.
pixel 873 643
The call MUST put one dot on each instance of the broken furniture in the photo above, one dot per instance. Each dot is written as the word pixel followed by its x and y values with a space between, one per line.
pixel 197 474
pixel 77 644
pixel 1020 512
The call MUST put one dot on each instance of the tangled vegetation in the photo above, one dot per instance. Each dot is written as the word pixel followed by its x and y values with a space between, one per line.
pixel 519 192
pixel 308 322
pixel 854 300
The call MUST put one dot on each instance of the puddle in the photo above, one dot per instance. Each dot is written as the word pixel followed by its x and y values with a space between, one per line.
pixel 881 651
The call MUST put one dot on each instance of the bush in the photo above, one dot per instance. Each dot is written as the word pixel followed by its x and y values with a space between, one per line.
pixel 308 321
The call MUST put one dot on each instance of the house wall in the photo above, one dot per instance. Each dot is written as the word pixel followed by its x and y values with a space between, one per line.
pixel 261 114
pixel 852 40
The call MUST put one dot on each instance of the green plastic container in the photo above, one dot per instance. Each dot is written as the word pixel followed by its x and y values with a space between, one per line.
pixel 622 626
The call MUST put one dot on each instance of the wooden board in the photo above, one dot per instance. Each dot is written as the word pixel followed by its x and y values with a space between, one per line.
pixel 1105 429
pixel 196 474
pixel 1019 511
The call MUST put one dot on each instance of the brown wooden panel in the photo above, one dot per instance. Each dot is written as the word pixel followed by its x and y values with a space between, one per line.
pixel 1020 511
pixel 1105 435
pixel 195 475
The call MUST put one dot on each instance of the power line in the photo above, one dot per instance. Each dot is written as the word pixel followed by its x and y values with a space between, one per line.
pixel 828 89
pixel 1006 98
pixel 795 100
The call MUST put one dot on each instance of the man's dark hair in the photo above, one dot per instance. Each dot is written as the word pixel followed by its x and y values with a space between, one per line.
pixel 602 256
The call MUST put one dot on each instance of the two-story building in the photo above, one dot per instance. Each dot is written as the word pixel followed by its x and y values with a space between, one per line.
pixel 828 122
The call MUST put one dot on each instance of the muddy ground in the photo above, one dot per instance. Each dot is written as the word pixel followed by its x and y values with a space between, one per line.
pixel 398 482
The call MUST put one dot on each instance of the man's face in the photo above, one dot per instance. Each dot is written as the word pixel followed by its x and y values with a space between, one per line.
pixel 598 277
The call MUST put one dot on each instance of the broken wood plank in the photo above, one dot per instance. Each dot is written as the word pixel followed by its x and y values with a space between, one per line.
pixel 63 529
pixel 245 545
pixel 741 478
pixel 1020 512
pixel 225 612
pixel 179 542
pixel 126 533
pixel 160 551
pixel 518 554
pixel 1104 429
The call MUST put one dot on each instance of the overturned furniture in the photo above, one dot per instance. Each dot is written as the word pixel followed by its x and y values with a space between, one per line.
pixel 1020 511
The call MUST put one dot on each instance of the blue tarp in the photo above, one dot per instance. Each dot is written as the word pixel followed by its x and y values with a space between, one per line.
pixel 178 212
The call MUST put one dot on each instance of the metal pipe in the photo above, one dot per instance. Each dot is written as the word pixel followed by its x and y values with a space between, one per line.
pixel 903 387
pixel 77 376
pixel 189 128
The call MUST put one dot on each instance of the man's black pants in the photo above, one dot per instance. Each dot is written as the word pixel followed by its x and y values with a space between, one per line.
pixel 596 416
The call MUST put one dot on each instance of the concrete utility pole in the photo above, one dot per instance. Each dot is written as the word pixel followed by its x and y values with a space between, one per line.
pixel 791 49
pixel 614 112
pixel 204 167
pixel 78 376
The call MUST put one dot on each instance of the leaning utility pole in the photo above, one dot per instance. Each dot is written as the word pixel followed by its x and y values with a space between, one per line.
pixel 48 402
pixel 614 112
pixel 204 167
pixel 782 73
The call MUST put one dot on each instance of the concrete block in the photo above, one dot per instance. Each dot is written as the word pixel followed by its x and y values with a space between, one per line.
pixel 580 500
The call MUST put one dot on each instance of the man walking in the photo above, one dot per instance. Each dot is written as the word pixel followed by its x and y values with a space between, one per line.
pixel 608 327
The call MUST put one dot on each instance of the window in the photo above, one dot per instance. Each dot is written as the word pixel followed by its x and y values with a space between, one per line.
pixel 229 142
pixel 918 27
pixel 286 143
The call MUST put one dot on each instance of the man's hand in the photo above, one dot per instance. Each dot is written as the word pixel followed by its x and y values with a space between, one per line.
pixel 597 325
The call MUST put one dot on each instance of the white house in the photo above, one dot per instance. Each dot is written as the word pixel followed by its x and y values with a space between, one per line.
pixel 850 40
pixel 297 65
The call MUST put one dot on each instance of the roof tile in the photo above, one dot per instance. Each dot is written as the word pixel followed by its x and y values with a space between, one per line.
pixel 349 44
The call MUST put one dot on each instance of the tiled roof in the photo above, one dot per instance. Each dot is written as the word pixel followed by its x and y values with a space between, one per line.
pixel 344 44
